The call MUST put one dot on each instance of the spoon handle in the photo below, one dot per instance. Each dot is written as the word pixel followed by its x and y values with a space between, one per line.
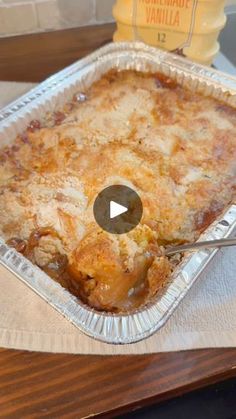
pixel 201 245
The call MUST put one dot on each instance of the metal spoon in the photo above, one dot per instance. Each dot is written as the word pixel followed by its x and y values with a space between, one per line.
pixel 201 245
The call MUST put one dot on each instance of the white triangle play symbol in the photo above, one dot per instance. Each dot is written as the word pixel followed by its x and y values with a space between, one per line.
pixel 116 209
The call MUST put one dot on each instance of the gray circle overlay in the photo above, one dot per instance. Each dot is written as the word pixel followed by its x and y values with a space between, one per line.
pixel 122 195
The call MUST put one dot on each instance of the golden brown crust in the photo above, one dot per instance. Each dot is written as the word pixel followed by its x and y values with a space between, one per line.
pixel 176 148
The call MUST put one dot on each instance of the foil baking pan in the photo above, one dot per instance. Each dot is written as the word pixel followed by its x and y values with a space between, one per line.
pixel 51 95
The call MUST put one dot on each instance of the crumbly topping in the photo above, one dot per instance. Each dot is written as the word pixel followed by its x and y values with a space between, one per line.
pixel 176 148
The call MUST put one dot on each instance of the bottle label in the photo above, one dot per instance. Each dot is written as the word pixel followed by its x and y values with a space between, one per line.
pixel 168 24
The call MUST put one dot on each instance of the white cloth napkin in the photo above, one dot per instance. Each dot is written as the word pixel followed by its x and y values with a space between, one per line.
pixel 205 319
pixel 10 91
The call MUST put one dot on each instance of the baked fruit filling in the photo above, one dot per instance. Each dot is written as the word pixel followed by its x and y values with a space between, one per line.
pixel 174 147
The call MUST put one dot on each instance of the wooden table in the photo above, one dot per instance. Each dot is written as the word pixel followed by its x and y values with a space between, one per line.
pixel 47 385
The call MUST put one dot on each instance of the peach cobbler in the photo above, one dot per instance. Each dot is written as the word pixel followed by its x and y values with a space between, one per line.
pixel 174 147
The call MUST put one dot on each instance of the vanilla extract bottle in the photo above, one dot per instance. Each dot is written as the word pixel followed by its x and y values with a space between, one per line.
pixel 188 27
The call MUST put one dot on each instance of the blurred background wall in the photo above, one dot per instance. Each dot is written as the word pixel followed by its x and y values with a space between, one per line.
pixel 28 16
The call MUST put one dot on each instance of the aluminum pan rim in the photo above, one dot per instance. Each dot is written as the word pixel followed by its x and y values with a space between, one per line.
pixel 130 328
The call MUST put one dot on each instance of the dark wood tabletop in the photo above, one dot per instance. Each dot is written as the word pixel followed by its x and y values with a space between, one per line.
pixel 51 386
pixel 34 385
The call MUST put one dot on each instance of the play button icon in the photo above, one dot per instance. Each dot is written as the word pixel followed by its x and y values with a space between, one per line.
pixel 118 209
